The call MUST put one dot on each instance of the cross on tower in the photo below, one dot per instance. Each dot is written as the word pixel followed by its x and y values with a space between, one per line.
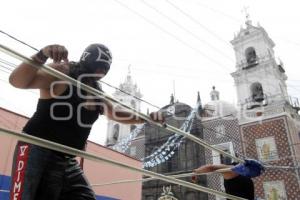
pixel 129 71
pixel 247 15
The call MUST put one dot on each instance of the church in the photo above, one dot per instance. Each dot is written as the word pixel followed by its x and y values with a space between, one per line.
pixel 264 125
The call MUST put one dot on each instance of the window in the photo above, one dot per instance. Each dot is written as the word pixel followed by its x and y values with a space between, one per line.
pixel 223 159
pixel 257 93
pixel 116 130
pixel 133 151
pixel 250 55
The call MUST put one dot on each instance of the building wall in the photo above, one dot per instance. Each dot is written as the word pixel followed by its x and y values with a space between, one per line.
pixel 14 122
pixel 279 153
pixel 97 173
pixel 218 137
pixel 187 157
pixel 137 147
pixel 100 173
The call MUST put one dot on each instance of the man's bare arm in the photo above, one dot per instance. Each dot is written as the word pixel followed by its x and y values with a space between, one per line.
pixel 26 76
pixel 125 117
pixel 212 168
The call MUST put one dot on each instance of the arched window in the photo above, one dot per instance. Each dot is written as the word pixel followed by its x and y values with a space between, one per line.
pixel 116 130
pixel 257 92
pixel 132 127
pixel 250 55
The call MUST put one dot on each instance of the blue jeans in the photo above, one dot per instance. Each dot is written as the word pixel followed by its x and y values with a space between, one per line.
pixel 42 174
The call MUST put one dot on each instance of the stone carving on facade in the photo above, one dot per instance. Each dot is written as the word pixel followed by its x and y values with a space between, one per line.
pixel 167 194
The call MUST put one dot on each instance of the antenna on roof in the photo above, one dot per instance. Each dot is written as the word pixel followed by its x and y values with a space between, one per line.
pixel 174 96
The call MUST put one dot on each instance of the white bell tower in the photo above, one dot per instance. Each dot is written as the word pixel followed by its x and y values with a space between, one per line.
pixel 117 131
pixel 259 79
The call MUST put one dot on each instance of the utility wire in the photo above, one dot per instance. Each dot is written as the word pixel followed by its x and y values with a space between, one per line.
pixel 13 65
pixel 18 40
pixel 4 65
pixel 186 14
pixel 196 21
pixel 173 36
pixel 218 11
pixel 186 30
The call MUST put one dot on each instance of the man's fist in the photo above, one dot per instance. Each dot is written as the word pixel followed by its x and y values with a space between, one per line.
pixel 55 52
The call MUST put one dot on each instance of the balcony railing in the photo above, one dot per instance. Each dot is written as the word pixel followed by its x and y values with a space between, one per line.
pixel 243 64
pixel 294 102
pixel 256 101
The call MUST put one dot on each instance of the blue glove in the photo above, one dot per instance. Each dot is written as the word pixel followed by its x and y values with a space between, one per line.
pixel 251 168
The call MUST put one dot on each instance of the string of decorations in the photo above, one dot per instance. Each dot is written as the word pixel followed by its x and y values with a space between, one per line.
pixel 124 144
pixel 167 150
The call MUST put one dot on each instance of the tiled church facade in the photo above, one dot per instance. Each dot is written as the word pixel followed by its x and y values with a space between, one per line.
pixel 277 132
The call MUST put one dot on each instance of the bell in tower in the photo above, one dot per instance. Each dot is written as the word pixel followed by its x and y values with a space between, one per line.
pixel 251 57
pixel 257 92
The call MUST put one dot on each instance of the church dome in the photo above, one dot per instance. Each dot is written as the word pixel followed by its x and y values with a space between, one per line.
pixel 219 108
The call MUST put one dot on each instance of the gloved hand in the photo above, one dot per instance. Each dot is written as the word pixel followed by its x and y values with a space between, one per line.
pixel 251 168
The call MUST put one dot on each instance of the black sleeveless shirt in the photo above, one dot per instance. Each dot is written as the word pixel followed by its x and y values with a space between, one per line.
pixel 240 186
pixel 63 119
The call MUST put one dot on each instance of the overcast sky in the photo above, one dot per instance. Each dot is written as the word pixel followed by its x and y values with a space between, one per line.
pixel 164 41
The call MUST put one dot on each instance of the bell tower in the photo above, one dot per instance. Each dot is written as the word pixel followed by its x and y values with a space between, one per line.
pixel 268 118
pixel 117 131
pixel 260 80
